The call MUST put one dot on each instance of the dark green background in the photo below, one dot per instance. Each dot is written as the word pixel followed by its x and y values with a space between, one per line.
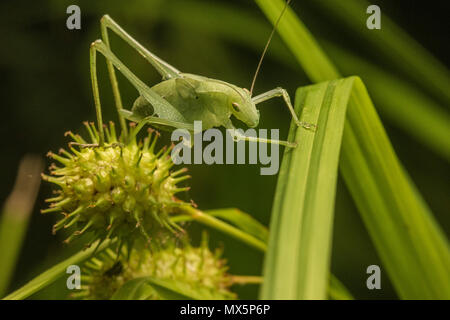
pixel 45 91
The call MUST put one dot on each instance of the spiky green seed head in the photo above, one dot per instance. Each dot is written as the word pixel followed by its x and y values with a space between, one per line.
pixel 119 190
pixel 195 269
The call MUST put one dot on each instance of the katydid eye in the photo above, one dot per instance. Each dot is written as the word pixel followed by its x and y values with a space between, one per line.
pixel 235 106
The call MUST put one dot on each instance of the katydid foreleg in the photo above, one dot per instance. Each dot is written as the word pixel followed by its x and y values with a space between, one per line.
pixel 237 136
pixel 280 92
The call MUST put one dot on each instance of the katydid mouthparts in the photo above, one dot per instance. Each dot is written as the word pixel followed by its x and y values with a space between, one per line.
pixel 181 98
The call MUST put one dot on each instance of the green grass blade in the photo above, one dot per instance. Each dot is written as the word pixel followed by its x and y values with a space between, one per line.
pixel 243 221
pixel 16 215
pixel 210 221
pixel 412 247
pixel 393 44
pixel 402 104
pixel 240 222
pixel 54 273
pixel 300 41
pixel 337 291
pixel 298 258
pixel 410 110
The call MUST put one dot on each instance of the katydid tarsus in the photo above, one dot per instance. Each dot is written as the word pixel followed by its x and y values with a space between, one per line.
pixel 181 98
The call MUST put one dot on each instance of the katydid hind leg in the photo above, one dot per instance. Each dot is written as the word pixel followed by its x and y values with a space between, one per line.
pixel 164 69
pixel 95 91
pixel 113 79
pixel 161 106
pixel 280 92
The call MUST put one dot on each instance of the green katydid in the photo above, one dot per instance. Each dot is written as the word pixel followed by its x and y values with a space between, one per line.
pixel 181 98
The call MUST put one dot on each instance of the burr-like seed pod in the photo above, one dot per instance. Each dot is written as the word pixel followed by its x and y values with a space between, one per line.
pixel 117 190
pixel 193 268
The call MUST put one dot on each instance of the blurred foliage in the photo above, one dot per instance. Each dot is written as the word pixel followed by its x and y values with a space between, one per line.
pixel 46 91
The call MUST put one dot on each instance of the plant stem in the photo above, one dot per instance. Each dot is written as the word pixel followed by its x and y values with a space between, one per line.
pixel 224 227
pixel 246 279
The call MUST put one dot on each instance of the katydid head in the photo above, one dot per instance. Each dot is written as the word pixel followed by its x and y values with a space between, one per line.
pixel 244 109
